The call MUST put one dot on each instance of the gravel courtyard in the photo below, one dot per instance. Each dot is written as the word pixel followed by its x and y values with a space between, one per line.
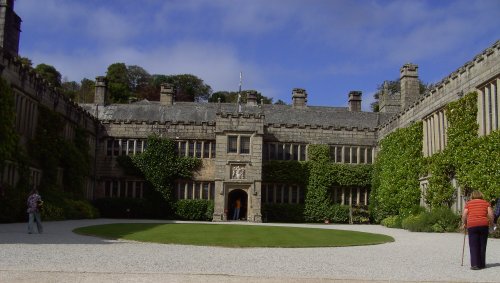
pixel 59 255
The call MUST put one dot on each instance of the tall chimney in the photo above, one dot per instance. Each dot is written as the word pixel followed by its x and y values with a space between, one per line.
pixel 299 98
pixel 355 101
pixel 410 87
pixel 167 94
pixel 10 27
pixel 101 93
pixel 252 98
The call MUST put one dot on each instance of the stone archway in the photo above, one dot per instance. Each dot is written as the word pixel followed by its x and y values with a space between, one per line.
pixel 231 201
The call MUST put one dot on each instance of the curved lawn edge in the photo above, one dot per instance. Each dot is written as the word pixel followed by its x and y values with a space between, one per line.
pixel 235 236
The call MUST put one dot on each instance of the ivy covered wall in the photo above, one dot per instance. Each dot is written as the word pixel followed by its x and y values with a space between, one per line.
pixel 319 176
pixel 8 135
pixel 472 160
pixel 395 180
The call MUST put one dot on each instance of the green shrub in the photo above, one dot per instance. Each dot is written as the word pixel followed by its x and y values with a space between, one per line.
pixel 194 209
pixel 360 214
pixel 79 209
pixel 52 212
pixel 338 213
pixel 394 221
pixel 283 212
pixel 417 223
pixel 440 219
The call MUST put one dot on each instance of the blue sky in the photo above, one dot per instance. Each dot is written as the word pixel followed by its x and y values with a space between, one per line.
pixel 326 47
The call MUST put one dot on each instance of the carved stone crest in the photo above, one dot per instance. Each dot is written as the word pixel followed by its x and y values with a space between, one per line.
pixel 238 172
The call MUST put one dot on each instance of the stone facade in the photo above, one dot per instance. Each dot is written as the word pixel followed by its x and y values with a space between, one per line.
pixel 235 141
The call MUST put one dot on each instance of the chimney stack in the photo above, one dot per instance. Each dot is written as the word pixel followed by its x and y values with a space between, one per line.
pixel 10 27
pixel 299 98
pixel 410 86
pixel 355 101
pixel 101 93
pixel 167 94
pixel 252 98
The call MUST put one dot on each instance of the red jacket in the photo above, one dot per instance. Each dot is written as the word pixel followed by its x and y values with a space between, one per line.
pixel 477 213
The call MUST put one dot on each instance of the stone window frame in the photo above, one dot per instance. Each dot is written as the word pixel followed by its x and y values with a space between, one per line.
pixel 272 193
pixel 189 189
pixel 350 195
pixel 435 128
pixel 124 188
pixel 357 154
pixel 288 151
pixel 124 146
pixel 238 148
pixel 196 148
pixel 488 104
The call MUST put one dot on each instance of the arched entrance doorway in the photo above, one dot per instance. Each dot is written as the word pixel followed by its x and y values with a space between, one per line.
pixel 232 198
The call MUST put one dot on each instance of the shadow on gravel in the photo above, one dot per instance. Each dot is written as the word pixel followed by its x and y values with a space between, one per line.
pixel 493 265
pixel 55 232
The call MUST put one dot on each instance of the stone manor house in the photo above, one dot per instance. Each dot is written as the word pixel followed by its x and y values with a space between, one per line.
pixel 234 141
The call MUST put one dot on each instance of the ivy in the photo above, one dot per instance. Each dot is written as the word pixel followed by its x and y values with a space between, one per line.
pixel 395 184
pixel 51 151
pixel 323 177
pixel 8 135
pixel 287 172
pixel 46 145
pixel 476 160
pixel 161 165
pixel 473 161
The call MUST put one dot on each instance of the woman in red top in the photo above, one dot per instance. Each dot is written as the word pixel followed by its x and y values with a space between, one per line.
pixel 477 216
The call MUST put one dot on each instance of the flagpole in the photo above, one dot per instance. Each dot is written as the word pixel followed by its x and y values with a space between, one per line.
pixel 239 93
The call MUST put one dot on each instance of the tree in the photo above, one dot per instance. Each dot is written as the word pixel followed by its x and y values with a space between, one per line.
pixel 224 96
pixel 232 97
pixel 189 87
pixel 395 87
pixel 139 79
pixel 50 74
pixel 87 91
pixel 118 83
pixel 26 61
pixel 70 88
pixel 280 102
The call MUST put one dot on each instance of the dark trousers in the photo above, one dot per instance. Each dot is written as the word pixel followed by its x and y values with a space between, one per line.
pixel 478 238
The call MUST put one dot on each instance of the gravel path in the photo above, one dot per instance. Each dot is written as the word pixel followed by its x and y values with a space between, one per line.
pixel 60 255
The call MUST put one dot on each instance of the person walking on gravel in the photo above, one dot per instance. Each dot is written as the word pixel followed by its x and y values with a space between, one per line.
pixel 34 211
pixel 477 218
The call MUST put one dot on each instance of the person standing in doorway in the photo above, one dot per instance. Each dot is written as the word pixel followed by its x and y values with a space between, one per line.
pixel 34 211
pixel 237 207
pixel 477 217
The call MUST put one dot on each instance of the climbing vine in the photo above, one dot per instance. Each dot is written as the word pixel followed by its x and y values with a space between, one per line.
pixel 476 160
pixel 323 177
pixel 287 172
pixel 473 161
pixel 395 184
pixel 51 151
pixel 8 135
pixel 161 165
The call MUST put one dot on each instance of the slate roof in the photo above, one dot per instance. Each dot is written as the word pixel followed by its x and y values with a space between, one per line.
pixel 150 111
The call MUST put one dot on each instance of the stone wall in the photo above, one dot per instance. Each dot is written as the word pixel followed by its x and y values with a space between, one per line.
pixel 464 80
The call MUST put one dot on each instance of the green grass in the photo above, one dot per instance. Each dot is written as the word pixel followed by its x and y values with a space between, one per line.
pixel 233 235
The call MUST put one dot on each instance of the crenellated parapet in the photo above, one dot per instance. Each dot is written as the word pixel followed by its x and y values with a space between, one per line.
pixel 465 79
pixel 34 88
